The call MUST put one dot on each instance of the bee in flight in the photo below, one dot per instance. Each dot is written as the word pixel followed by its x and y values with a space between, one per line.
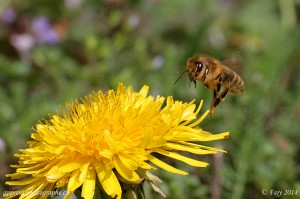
pixel 214 75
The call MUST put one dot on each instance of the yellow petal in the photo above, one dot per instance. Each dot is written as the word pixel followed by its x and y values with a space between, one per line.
pixel 177 156
pixel 23 182
pixel 113 145
pixel 84 169
pixel 74 182
pixel 191 149
pixel 121 88
pixel 36 169
pixel 78 176
pixel 188 113
pixel 129 175
pixel 63 167
pixel 128 161
pixel 200 119
pixel 201 146
pixel 88 188
pixel 14 176
pixel 165 166
pixel 216 136
pixel 144 91
pixel 147 138
pixel 108 180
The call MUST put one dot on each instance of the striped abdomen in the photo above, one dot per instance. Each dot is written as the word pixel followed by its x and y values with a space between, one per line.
pixel 232 81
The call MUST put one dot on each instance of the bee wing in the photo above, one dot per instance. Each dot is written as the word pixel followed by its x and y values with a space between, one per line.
pixel 234 62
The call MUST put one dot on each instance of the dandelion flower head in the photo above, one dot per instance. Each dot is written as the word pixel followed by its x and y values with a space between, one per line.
pixel 108 137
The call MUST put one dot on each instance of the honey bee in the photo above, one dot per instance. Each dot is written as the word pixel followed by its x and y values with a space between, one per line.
pixel 214 75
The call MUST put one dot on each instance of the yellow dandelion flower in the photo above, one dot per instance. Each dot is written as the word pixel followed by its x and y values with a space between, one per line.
pixel 110 138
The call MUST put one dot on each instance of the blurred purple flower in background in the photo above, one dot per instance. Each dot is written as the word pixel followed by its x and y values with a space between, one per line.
pixel 8 16
pixel 43 31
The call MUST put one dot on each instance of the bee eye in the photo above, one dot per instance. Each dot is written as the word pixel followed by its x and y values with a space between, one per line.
pixel 199 66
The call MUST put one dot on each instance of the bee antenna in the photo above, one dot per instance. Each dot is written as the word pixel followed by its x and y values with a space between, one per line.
pixel 180 76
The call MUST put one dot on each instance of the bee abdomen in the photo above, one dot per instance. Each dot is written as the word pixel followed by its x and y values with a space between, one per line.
pixel 236 85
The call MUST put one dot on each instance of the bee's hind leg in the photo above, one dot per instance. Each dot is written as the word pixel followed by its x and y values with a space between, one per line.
pixel 217 100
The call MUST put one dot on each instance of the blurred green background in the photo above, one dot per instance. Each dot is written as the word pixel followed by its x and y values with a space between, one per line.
pixel 54 51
